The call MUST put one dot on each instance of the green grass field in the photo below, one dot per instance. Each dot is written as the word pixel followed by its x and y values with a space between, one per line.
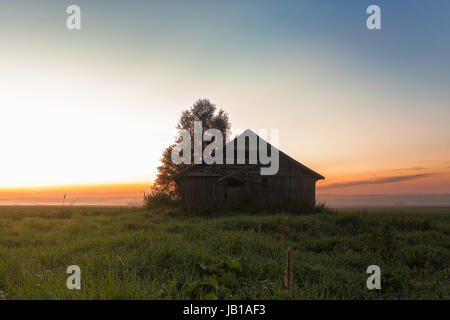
pixel 128 253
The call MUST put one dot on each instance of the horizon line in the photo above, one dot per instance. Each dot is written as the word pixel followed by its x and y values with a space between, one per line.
pixel 77 185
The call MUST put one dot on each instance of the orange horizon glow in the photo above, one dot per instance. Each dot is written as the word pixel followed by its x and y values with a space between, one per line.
pixel 410 180
pixel 387 183
pixel 89 113
pixel 334 179
pixel 114 186
pixel 82 194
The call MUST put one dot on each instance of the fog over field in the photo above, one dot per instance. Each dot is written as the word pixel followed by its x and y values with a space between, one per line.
pixel 386 200
pixel 132 195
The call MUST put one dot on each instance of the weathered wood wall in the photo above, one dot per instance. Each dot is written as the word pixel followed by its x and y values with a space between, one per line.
pixel 209 184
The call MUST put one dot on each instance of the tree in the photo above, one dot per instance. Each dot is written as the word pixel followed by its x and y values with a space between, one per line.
pixel 202 110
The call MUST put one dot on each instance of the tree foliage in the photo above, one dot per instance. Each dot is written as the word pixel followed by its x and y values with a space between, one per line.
pixel 202 110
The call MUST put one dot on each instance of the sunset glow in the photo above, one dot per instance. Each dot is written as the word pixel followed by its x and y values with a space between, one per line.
pixel 94 109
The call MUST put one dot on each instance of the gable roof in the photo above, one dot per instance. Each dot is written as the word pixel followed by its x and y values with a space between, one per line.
pixel 250 133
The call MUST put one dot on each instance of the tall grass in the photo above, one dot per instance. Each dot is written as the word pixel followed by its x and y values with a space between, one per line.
pixel 131 253
pixel 162 202
pixel 159 200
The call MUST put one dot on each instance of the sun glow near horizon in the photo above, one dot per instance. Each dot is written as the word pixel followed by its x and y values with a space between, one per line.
pixel 99 106
pixel 67 130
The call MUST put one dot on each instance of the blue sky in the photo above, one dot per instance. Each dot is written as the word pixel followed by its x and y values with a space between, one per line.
pixel 350 102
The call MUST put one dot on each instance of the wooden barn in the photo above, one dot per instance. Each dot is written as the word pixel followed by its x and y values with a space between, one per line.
pixel 206 184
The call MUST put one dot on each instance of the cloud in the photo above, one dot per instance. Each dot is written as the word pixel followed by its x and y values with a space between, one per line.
pixel 410 168
pixel 376 181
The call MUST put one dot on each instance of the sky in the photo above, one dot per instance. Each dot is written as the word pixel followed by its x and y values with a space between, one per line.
pixel 368 109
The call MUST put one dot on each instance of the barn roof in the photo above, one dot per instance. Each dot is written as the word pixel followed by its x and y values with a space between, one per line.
pixel 249 133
